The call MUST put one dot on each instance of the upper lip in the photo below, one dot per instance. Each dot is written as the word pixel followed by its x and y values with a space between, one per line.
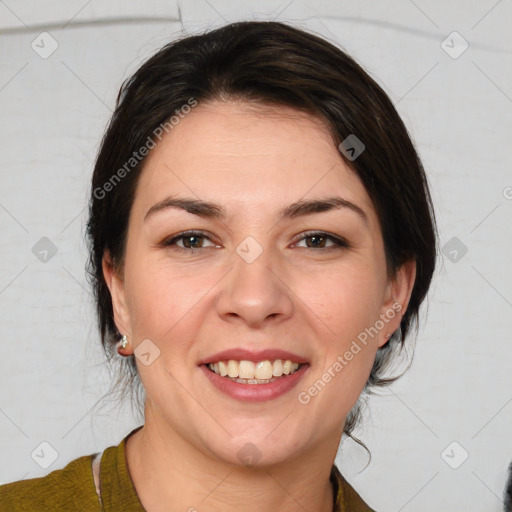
pixel 239 354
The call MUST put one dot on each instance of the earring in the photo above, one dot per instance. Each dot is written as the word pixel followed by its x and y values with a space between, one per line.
pixel 395 336
pixel 123 342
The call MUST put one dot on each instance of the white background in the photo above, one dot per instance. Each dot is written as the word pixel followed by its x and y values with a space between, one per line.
pixel 459 111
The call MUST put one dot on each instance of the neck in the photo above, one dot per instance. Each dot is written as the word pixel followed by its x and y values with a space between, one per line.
pixel 170 474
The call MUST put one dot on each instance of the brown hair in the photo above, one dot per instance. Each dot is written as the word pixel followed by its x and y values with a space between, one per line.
pixel 275 64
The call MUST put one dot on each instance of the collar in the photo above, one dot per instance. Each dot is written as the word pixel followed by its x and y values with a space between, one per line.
pixel 118 491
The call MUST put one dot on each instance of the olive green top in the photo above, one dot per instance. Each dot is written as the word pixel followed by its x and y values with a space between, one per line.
pixel 72 488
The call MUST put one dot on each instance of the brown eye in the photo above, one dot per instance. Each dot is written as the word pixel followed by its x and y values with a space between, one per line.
pixel 315 241
pixel 192 241
pixel 322 241
pixel 189 240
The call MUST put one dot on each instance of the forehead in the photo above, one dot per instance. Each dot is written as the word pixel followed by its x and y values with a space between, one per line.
pixel 247 156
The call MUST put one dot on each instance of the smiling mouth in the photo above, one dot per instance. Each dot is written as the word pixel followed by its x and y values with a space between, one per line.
pixel 249 372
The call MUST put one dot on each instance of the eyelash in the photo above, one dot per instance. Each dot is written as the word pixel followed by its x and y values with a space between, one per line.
pixel 339 243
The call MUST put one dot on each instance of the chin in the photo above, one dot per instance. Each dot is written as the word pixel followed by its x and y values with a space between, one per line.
pixel 255 451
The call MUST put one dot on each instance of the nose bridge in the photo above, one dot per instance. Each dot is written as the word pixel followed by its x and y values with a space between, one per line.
pixel 252 292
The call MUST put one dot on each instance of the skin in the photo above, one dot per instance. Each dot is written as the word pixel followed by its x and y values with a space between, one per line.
pixel 309 300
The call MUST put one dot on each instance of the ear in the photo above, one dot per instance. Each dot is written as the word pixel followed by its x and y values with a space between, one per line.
pixel 396 299
pixel 115 282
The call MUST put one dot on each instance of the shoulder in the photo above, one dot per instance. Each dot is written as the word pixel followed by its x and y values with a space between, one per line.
pixel 347 497
pixel 354 502
pixel 69 488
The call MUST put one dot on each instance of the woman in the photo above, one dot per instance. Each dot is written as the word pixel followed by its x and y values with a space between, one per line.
pixel 261 238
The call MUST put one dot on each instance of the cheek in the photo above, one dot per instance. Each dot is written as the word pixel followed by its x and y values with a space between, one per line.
pixel 347 303
pixel 162 299
pixel 346 298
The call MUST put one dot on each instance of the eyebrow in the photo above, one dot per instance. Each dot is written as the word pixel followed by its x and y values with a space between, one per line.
pixel 300 208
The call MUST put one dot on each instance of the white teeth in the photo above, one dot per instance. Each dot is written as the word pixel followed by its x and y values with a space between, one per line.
pixel 223 370
pixel 277 368
pixel 245 370
pixel 263 370
pixel 254 381
pixel 232 368
pixel 249 372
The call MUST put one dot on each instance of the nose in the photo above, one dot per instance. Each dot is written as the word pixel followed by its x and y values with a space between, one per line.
pixel 255 293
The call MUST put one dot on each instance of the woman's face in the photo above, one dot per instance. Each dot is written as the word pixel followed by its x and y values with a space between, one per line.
pixel 264 278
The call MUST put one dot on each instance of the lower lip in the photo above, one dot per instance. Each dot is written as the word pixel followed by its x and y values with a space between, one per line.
pixel 255 392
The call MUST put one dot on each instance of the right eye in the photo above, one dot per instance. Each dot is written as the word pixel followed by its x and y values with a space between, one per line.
pixel 188 240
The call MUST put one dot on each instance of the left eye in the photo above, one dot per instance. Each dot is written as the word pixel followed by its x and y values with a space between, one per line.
pixel 319 241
